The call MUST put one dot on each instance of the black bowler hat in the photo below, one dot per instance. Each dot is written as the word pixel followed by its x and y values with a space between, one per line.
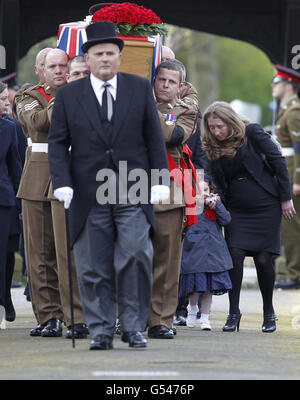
pixel 101 32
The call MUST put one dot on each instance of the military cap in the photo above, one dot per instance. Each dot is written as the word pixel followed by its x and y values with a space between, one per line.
pixel 284 73
pixel 11 80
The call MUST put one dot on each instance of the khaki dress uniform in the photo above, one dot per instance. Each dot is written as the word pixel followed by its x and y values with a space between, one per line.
pixel 44 224
pixel 169 221
pixel 288 135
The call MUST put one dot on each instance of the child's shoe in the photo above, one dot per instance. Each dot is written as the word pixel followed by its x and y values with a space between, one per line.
pixel 205 325
pixel 191 316
pixel 205 322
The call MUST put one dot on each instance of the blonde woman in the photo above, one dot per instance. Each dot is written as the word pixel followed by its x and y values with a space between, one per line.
pixel 252 179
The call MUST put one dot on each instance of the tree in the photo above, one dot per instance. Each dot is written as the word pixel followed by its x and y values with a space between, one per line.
pixel 224 69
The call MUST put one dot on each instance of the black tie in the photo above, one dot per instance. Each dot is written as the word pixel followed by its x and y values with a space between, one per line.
pixel 107 102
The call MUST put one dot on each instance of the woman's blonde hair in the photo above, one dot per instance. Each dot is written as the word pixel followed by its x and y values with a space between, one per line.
pixel 236 125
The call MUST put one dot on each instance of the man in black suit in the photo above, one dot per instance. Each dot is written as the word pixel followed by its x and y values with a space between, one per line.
pixel 113 132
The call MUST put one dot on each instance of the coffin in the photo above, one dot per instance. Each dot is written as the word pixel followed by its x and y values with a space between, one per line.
pixel 140 56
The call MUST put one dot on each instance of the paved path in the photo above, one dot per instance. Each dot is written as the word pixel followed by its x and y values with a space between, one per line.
pixel 192 355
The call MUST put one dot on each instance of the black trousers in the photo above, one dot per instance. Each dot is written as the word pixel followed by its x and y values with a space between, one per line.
pixel 5 219
pixel 113 257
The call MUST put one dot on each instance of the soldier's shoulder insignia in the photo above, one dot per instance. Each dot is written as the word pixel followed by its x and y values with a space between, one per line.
pixel 31 106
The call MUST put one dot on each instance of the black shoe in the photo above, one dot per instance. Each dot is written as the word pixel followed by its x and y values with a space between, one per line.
pixel 232 323
pixel 10 313
pixel 80 331
pixel 53 328
pixel 101 342
pixel 179 320
pixel 160 332
pixel 286 284
pixel 269 324
pixel 173 329
pixel 135 339
pixel 37 331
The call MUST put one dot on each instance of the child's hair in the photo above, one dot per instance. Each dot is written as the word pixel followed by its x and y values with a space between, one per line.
pixel 210 183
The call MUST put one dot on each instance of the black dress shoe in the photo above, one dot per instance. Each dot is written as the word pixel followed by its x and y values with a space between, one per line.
pixel 101 342
pixel 160 332
pixel 53 328
pixel 135 339
pixel 80 331
pixel 286 284
pixel 269 324
pixel 10 313
pixel 179 320
pixel 37 331
pixel 174 330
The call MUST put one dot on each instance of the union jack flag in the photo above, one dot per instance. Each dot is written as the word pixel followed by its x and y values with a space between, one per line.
pixel 70 38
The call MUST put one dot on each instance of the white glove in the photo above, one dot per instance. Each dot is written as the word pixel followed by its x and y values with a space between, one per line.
pixel 159 193
pixel 65 195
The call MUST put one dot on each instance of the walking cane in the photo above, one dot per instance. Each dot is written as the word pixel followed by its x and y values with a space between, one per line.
pixel 70 276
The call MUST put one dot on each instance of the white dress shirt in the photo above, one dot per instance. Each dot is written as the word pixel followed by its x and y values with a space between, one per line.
pixel 97 85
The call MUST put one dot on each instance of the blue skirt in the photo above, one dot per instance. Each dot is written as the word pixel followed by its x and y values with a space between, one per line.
pixel 217 283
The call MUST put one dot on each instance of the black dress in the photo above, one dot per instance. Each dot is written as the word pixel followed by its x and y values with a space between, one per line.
pixel 256 214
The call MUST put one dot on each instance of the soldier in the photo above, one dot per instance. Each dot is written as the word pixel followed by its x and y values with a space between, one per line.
pixel 285 85
pixel 188 94
pixel 77 69
pixel 44 227
pixel 39 71
pixel 178 121
pixel 39 64
pixel 167 54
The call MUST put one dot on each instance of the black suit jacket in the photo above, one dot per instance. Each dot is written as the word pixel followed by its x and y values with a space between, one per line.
pixel 22 140
pixel 10 163
pixel 16 226
pixel 264 162
pixel 136 138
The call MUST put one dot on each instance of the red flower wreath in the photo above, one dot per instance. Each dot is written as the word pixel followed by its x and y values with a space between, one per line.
pixel 131 19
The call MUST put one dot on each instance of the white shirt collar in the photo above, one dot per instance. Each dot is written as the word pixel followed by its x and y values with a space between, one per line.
pixel 97 85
